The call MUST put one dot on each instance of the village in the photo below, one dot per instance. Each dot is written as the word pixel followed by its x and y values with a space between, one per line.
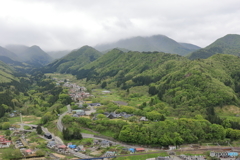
pixel 30 144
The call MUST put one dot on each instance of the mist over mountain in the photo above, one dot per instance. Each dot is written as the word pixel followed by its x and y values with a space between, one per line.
pixel 58 54
pixel 33 55
pixel 158 43
pixel 229 44
pixel 5 52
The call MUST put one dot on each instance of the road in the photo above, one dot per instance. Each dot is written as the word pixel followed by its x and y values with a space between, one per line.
pixel 21 124
pixel 59 122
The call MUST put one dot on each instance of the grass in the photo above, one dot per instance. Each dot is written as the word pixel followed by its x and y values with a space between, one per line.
pixel 142 157
pixel 31 119
pixel 14 120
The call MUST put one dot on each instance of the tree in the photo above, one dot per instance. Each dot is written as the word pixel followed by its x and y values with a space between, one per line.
pixel 66 134
pixel 7 132
pixel 11 154
pixel 101 116
pixel 39 129
pixel 5 125
pixel 104 84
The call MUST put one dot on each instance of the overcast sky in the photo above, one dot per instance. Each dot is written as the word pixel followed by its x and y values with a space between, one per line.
pixel 70 24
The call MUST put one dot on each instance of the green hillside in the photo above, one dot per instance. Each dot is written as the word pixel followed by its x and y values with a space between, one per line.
pixel 229 44
pixel 158 43
pixel 74 60
pixel 6 73
pixel 188 87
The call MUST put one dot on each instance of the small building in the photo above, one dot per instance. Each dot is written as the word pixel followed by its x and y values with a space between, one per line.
pixel 140 149
pixel 28 152
pixel 106 92
pixel 143 119
pixel 61 147
pixel 80 148
pixel 162 158
pixel 172 147
pixel 51 144
pixel 132 150
pixel 105 143
pixel 94 104
pixel 4 142
pixel 79 112
pixel 72 146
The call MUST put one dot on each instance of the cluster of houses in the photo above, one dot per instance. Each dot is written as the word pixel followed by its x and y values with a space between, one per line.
pixel 113 115
pixel 61 148
pixel 4 143
pixel 76 92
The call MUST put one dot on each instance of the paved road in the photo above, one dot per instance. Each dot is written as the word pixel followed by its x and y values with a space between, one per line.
pixel 59 122
pixel 21 124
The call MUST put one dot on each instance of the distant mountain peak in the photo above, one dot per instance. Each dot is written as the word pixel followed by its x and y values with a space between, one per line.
pixel 160 43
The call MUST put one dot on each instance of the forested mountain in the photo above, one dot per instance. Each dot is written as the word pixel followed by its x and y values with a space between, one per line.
pixel 189 87
pixel 74 60
pixel 6 53
pixel 58 54
pixel 229 44
pixel 158 43
pixel 33 55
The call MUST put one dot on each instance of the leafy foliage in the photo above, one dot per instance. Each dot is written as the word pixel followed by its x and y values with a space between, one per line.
pixel 229 44
pixel 74 60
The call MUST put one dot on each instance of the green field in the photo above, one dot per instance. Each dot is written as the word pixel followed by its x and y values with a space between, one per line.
pixel 142 157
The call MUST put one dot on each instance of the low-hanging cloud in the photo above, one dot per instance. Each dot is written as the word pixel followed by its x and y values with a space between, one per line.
pixel 70 24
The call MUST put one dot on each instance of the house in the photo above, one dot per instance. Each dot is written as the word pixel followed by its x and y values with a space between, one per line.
pixel 113 115
pixel 28 152
pixel 12 114
pixel 105 143
pixel 61 148
pixel 143 119
pixel 79 112
pixel 106 92
pixel 109 154
pixel 94 104
pixel 80 148
pixel 140 149
pixel 172 147
pixel 125 115
pixel 4 142
pixel 51 144
pixel 162 158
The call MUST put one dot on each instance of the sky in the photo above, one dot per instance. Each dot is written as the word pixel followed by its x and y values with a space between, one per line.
pixel 69 24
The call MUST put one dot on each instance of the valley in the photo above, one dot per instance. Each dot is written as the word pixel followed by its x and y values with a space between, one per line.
pixel 122 103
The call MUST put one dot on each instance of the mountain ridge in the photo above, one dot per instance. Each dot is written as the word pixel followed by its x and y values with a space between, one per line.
pixel 228 44
pixel 160 43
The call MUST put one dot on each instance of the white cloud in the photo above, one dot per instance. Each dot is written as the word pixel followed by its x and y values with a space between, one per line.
pixel 69 24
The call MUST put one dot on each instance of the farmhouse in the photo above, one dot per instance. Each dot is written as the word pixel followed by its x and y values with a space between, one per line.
pixel 4 142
